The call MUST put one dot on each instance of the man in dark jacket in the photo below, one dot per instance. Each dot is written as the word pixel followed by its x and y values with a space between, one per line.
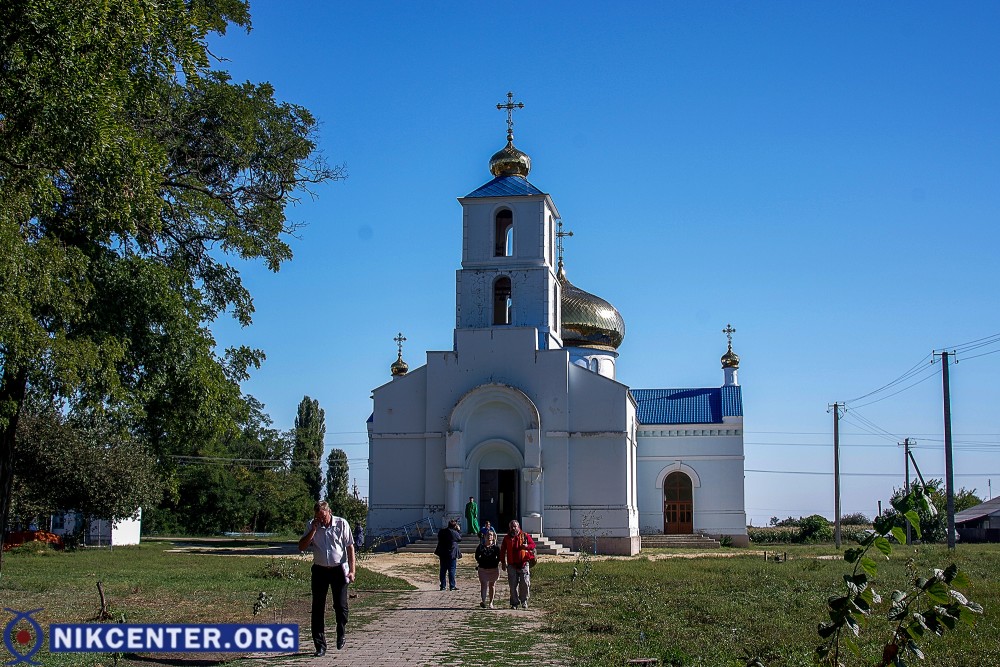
pixel 449 552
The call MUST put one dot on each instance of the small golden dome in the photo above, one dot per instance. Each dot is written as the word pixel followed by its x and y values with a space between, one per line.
pixel 730 359
pixel 589 320
pixel 508 161
pixel 399 367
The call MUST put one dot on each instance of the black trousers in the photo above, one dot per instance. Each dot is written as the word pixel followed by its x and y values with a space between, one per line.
pixel 323 580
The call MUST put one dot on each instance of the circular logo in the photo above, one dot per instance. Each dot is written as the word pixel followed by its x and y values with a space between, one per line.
pixel 22 642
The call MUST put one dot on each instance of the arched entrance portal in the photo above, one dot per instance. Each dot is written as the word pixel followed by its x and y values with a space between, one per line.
pixel 678 505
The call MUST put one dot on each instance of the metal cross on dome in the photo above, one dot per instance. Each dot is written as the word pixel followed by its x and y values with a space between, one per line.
pixel 510 106
pixel 559 238
pixel 729 331
pixel 399 342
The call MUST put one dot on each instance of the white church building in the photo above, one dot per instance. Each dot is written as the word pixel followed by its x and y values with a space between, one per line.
pixel 526 413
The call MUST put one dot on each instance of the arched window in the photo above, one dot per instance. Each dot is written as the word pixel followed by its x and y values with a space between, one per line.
pixel 501 301
pixel 504 234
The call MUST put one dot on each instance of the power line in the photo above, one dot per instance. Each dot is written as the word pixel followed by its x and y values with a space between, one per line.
pixel 864 474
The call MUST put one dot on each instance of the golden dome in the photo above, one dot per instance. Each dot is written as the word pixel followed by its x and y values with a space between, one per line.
pixel 508 161
pixel 399 367
pixel 589 320
pixel 730 359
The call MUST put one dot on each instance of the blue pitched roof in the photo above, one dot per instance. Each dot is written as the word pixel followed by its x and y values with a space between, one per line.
pixel 506 186
pixel 688 406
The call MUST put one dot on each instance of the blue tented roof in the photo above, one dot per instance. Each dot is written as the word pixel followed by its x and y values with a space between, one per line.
pixel 506 186
pixel 688 406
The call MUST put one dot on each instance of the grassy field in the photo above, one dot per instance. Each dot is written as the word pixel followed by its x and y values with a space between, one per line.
pixel 147 584
pixel 724 611
pixel 708 611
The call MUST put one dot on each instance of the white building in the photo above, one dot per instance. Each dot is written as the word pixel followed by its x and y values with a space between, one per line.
pixel 526 414
pixel 99 532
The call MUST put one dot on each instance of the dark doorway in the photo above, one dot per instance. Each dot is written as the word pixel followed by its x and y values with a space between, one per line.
pixel 678 505
pixel 498 498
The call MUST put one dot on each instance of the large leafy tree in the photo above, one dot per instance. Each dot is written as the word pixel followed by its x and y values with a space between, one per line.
pixel 89 466
pixel 310 433
pixel 934 518
pixel 242 481
pixel 129 172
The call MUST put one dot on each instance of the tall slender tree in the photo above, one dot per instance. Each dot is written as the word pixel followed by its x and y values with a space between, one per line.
pixel 310 433
pixel 129 169
pixel 337 476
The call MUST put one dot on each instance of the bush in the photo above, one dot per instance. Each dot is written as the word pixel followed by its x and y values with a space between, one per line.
pixel 815 528
pixel 773 535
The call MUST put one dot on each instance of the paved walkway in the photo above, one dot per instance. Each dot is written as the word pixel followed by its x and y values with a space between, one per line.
pixel 429 626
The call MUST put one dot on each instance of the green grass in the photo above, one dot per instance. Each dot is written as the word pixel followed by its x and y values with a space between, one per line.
pixel 724 611
pixel 145 584
pixel 707 611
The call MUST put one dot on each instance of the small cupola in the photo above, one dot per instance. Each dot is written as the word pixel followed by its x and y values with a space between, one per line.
pixel 730 360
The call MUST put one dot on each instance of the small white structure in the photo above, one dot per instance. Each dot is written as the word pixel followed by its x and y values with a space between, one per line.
pixel 99 533
pixel 526 413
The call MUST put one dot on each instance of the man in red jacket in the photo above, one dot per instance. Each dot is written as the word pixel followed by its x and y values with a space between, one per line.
pixel 517 552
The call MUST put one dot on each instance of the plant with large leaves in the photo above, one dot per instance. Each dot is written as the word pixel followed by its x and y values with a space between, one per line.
pixel 931 606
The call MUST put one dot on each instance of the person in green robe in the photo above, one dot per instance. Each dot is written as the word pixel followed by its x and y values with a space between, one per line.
pixel 472 516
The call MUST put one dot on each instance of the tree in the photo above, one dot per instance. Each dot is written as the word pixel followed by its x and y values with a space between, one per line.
pixel 933 523
pixel 240 481
pixel 337 476
pixel 129 170
pixel 310 434
pixel 93 468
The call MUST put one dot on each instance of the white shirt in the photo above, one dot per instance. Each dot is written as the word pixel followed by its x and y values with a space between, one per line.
pixel 329 544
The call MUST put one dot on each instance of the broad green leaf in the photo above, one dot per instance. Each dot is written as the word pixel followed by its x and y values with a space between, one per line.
pixel 852 555
pixel 883 545
pixel 850 643
pixel 869 566
pixel 914 520
pixel 938 592
pixel 826 629
pixel 960 580
pixel 899 534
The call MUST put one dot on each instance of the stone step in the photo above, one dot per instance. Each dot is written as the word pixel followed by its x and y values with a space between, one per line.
pixel 543 546
pixel 678 542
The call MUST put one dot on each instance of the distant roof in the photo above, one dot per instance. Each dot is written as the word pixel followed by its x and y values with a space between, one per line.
pixel 506 186
pixel 979 511
pixel 688 406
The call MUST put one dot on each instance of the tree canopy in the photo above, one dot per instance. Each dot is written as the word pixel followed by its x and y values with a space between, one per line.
pixel 130 171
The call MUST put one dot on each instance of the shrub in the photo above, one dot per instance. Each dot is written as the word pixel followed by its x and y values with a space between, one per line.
pixel 815 528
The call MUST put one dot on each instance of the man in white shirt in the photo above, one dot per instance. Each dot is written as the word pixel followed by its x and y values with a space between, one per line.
pixel 329 538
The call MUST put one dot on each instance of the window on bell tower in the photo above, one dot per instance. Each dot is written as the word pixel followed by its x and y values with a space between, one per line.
pixel 501 301
pixel 504 234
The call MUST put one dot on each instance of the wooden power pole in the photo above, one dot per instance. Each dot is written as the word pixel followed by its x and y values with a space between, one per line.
pixel 836 474
pixel 949 470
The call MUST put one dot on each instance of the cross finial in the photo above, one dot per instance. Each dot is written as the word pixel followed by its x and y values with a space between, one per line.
pixel 399 343
pixel 559 245
pixel 510 106
pixel 729 331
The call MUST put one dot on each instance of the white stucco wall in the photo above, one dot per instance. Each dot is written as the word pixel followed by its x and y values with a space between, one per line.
pixel 712 456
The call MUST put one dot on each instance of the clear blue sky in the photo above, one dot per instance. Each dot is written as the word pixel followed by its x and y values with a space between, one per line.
pixel 825 176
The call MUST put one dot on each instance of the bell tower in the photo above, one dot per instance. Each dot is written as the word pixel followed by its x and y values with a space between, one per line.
pixel 508 277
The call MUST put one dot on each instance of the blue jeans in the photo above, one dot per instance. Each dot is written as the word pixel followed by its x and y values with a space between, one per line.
pixel 448 565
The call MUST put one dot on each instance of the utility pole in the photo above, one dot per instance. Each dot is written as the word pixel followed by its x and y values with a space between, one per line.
pixel 836 474
pixel 949 470
pixel 906 487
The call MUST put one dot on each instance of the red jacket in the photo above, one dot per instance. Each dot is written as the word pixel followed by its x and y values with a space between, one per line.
pixel 517 549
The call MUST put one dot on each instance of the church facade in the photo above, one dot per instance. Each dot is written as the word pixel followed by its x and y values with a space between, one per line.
pixel 526 413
